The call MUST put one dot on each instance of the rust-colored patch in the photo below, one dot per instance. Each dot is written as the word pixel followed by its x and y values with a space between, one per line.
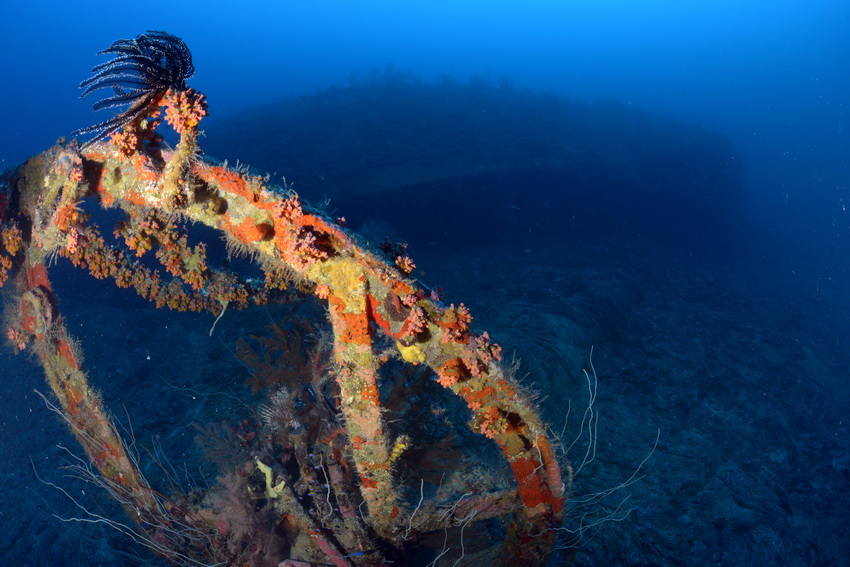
pixel 372 305
pixel 232 182
pixel 73 399
pixel 399 287
pixel 106 198
pixel 27 318
pixel 483 396
pixel 532 490
pixel 66 217
pixel 64 349
pixel 553 471
pixel 322 225
pixel 36 276
pixel 376 466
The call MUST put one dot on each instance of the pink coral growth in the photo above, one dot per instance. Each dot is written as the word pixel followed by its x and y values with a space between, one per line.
pixel 455 323
pixel 416 322
pixel 323 291
pixel 126 141
pixel 446 380
pixel 486 350
pixel 184 110
pixel 405 264
pixel 72 241
pixel 17 337
pixel 474 365
pixel 289 209
pixel 306 249
pixel 492 423
pixel 451 372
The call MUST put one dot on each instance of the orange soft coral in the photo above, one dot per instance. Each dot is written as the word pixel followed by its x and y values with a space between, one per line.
pixel 11 241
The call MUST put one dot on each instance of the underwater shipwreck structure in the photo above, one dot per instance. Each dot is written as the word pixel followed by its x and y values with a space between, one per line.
pixel 329 488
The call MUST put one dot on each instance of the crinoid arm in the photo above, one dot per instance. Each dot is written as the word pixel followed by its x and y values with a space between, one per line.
pixel 142 70
pixel 140 106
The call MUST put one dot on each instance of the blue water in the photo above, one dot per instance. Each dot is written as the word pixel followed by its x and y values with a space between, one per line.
pixel 699 241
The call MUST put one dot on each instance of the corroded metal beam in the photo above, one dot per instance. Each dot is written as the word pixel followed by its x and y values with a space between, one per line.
pixel 368 294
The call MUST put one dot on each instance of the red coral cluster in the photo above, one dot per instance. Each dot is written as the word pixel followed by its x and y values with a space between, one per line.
pixel 303 244
pixel 140 235
pixel 446 380
pixel 144 232
pixel 86 248
pixel 475 366
pixel 77 174
pixel 323 291
pixel 226 288
pixel 451 372
pixel 126 140
pixel 184 110
pixel 398 252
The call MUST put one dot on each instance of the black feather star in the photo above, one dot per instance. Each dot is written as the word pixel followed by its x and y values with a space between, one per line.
pixel 139 74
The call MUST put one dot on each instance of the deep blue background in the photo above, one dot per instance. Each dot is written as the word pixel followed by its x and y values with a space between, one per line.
pixel 771 75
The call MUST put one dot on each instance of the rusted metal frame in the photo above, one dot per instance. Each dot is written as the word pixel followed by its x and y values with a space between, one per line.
pixel 43 196
pixel 41 187
pixel 252 218
pixel 430 517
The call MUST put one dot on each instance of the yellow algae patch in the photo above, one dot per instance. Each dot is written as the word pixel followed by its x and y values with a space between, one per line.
pixel 412 353
pixel 271 491
pixel 346 279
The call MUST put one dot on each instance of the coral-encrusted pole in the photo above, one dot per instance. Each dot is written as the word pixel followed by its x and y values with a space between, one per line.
pixel 39 325
pixel 367 295
pixel 360 400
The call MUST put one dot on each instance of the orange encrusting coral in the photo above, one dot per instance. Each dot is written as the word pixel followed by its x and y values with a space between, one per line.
pixel 247 230
pixel 352 328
